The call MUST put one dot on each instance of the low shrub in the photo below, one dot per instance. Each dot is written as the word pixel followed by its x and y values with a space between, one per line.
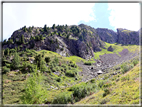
pixel 7 65
pixel 106 85
pixel 125 78
pixel 106 92
pixel 47 59
pixel 135 62
pixel 27 67
pixel 100 84
pixel 34 92
pixel 58 79
pixel 72 64
pixel 104 101
pixel 88 63
pixel 71 73
pixel 63 98
pixel 5 69
pixel 92 80
pixel 81 90
pixel 53 69
pixel 131 65
pixel 124 68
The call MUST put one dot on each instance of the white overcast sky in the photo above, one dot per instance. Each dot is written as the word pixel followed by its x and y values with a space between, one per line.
pixel 17 15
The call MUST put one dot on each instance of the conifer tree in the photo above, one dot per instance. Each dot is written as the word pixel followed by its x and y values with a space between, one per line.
pixel 45 28
pixel 53 27
pixel 16 61
pixel 42 66
pixel 6 52
pixel 18 49
pixel 41 37
pixel 22 39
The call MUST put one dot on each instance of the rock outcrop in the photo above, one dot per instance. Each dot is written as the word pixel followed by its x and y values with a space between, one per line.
pixel 110 49
pixel 122 36
pixel 81 40
pixel 126 37
pixel 107 35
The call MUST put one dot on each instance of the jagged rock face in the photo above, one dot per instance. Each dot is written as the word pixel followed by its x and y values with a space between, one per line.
pixel 84 51
pixel 95 40
pixel 81 41
pixel 126 37
pixel 122 36
pixel 56 43
pixel 107 35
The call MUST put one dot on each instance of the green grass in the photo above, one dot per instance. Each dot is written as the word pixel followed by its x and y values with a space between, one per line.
pixel 14 82
pixel 117 48
pixel 104 51
pixel 76 59
pixel 124 89
pixel 127 31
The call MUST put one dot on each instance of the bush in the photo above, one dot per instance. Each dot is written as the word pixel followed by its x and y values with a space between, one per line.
pixel 135 62
pixel 72 64
pixel 53 69
pixel 63 98
pixel 104 101
pixel 34 92
pixel 5 69
pixel 56 60
pixel 6 51
pixel 131 65
pixel 65 67
pixel 71 73
pixel 12 51
pixel 58 79
pixel 92 80
pixel 125 78
pixel 88 63
pixel 47 59
pixel 15 62
pixel 7 65
pixel 101 83
pixel 82 90
pixel 48 70
pixel 106 92
pixel 29 66
pixel 124 68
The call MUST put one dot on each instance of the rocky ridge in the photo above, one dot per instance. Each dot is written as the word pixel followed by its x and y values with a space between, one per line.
pixel 81 40
pixel 65 40
pixel 122 36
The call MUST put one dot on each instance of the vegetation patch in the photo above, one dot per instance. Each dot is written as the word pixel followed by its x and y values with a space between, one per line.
pixel 125 91
pixel 117 48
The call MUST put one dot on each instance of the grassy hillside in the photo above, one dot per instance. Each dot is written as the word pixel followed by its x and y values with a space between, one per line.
pixel 123 89
pixel 57 77
pixel 60 82
pixel 117 48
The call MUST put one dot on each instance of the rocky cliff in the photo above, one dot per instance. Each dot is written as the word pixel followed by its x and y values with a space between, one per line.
pixel 126 37
pixel 107 35
pixel 65 40
pixel 122 36
pixel 81 40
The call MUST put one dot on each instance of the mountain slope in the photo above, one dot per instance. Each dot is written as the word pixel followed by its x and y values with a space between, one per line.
pixel 81 40
pixel 65 40
pixel 124 89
